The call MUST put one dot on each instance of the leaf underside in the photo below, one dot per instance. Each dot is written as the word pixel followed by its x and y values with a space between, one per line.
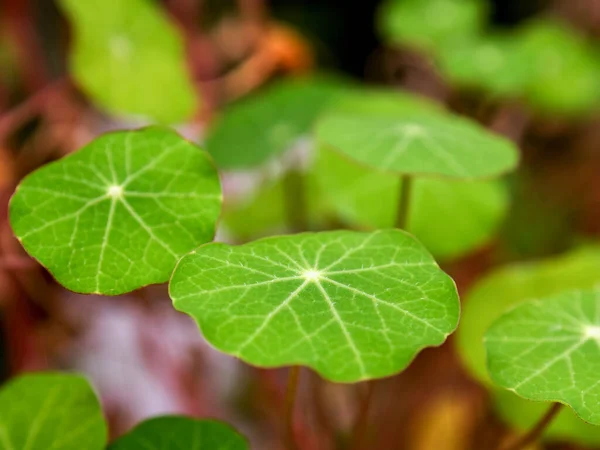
pixel 352 306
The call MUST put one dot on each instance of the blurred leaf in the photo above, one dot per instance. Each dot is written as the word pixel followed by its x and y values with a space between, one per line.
pixel 45 411
pixel 172 432
pixel 262 126
pixel 129 59
pixel 548 349
pixel 352 306
pixel 524 414
pixel 565 69
pixel 426 24
pixel 472 211
pixel 418 143
pixel 510 285
pixel 118 214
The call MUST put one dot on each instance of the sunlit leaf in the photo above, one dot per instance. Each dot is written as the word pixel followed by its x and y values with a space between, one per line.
pixel 129 59
pixel 352 306
pixel 172 432
pixel 472 210
pixel 418 143
pixel 50 411
pixel 549 350
pixel 427 23
pixel 262 126
pixel 508 286
pixel 119 213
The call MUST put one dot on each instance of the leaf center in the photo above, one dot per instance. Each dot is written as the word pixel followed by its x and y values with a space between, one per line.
pixel 115 191
pixel 312 275
pixel 593 332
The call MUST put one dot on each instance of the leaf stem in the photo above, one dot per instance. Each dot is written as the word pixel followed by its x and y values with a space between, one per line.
pixel 360 425
pixel 290 402
pixel 534 434
pixel 295 201
pixel 406 182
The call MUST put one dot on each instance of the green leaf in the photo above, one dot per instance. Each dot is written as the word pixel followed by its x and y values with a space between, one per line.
pixel 418 143
pixel 258 128
pixel 129 59
pixel 50 411
pixel 524 414
pixel 549 350
pixel 352 306
pixel 172 433
pixel 473 210
pixel 426 24
pixel 119 213
pixel 510 285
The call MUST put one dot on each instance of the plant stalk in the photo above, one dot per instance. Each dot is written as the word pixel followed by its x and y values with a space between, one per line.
pixel 534 434
pixel 406 182
pixel 295 201
pixel 290 403
pixel 359 429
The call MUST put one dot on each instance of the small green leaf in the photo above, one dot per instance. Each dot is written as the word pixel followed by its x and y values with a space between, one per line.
pixel 426 24
pixel 524 414
pixel 118 214
pixel 508 286
pixel 50 411
pixel 418 143
pixel 549 350
pixel 473 210
pixel 173 432
pixel 352 306
pixel 262 126
pixel 129 59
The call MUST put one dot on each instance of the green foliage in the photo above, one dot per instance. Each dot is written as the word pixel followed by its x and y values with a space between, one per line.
pixel 472 210
pixel 418 143
pixel 258 128
pixel 50 411
pixel 510 285
pixel 119 213
pixel 549 350
pixel 172 432
pixel 426 24
pixel 350 305
pixel 129 59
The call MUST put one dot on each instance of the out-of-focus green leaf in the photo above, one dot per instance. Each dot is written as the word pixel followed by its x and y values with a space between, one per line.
pixel 43 411
pixel 426 24
pixel 265 124
pixel 471 211
pixel 508 286
pixel 129 59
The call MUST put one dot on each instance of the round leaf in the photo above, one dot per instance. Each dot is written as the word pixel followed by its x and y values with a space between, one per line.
pixel 473 209
pixel 260 127
pixel 428 23
pixel 129 59
pixel 508 286
pixel 421 143
pixel 119 213
pixel 549 350
pixel 50 411
pixel 352 306
pixel 172 432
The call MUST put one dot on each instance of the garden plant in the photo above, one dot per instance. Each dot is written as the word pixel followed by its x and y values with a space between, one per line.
pixel 317 225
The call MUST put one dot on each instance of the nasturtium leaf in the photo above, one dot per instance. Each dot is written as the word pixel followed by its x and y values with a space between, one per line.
pixel 524 414
pixel 418 143
pixel 565 71
pixel 129 59
pixel 549 350
pixel 350 305
pixel 119 213
pixel 513 284
pixel 50 411
pixel 472 210
pixel 258 128
pixel 426 24
pixel 173 432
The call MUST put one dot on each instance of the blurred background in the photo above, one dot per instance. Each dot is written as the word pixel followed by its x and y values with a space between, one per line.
pixel 146 359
